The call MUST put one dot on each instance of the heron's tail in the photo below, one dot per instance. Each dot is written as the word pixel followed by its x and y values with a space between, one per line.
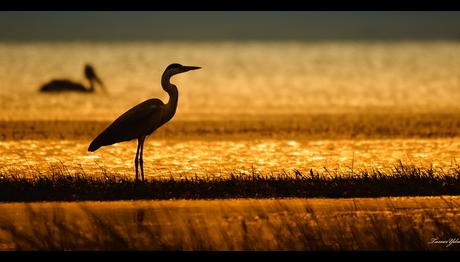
pixel 95 145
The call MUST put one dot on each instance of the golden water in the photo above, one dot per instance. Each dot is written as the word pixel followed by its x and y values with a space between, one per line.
pixel 165 158
pixel 243 79
pixel 246 78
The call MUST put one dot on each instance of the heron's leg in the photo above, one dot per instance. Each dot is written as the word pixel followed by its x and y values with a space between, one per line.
pixel 141 160
pixel 136 161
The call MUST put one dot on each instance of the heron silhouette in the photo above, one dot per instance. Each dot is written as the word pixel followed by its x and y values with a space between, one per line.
pixel 143 119
pixel 59 85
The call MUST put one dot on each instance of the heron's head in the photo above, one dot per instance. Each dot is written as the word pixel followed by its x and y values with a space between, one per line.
pixel 175 68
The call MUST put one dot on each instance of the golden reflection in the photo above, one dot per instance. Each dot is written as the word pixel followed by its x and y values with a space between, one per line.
pixel 203 157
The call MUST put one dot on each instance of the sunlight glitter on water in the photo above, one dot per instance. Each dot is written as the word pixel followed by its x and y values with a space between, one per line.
pixel 90 157
pixel 171 157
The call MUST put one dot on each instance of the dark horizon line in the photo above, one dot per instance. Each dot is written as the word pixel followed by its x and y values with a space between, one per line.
pixel 307 40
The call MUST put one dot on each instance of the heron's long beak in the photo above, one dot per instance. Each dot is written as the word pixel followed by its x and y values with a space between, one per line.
pixel 188 68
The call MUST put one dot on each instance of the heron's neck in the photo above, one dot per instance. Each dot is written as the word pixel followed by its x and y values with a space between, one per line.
pixel 172 92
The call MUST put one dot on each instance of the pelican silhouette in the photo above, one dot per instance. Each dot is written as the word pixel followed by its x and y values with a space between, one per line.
pixel 143 119
pixel 59 85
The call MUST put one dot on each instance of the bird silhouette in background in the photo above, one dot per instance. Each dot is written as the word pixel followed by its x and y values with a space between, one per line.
pixel 60 85
pixel 143 119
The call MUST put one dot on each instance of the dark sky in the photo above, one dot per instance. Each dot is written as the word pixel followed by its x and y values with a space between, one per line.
pixel 163 26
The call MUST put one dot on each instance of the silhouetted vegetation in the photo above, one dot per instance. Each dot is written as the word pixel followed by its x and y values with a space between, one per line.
pixel 62 184
pixel 274 225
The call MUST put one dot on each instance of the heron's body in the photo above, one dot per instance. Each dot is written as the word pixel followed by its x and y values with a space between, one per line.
pixel 143 119
pixel 64 85
pixel 139 121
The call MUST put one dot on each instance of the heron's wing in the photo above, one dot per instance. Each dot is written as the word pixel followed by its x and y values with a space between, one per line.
pixel 140 120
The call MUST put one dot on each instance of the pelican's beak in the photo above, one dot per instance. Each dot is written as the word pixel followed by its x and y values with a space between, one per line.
pixel 103 87
pixel 101 84
pixel 188 68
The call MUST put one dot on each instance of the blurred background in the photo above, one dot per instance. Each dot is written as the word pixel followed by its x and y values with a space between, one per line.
pixel 253 62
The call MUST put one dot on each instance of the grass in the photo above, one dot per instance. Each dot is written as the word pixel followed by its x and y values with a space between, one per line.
pixel 63 184
pixel 378 224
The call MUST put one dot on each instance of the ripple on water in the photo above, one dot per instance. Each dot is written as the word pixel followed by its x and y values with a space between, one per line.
pixel 169 157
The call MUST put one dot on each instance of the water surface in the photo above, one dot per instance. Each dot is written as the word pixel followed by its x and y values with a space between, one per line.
pixel 245 78
pixel 165 158
pixel 238 81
